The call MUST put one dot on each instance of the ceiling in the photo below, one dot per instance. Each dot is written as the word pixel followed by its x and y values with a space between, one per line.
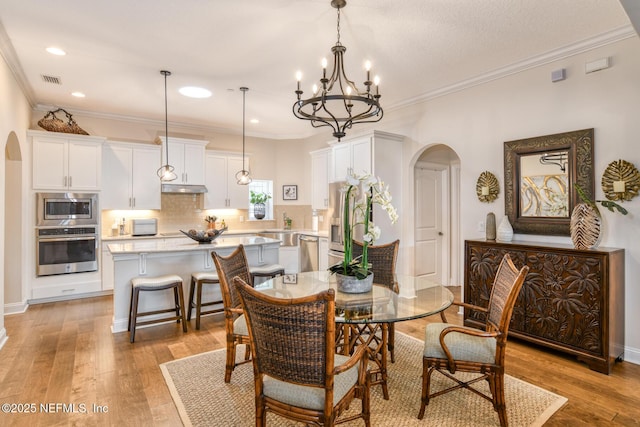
pixel 419 48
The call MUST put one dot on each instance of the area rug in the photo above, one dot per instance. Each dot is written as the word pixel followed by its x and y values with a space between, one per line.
pixel 198 389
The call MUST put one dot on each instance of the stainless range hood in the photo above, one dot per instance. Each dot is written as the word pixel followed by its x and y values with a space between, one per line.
pixel 183 188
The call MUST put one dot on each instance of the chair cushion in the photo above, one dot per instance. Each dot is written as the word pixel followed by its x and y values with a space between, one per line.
pixel 462 346
pixel 265 269
pixel 156 281
pixel 240 326
pixel 311 397
pixel 205 275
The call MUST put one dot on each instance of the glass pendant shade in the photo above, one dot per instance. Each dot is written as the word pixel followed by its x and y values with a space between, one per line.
pixel 242 176
pixel 166 172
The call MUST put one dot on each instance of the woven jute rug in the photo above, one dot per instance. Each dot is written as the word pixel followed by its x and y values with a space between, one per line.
pixel 198 389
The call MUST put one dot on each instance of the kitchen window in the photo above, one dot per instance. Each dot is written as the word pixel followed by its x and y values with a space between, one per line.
pixel 262 186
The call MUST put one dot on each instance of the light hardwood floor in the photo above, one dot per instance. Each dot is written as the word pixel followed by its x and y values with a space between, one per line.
pixel 64 353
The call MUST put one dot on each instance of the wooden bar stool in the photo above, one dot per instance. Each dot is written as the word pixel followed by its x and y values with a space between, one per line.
pixel 158 283
pixel 197 281
pixel 268 270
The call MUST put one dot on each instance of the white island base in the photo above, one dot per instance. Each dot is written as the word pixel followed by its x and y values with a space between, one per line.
pixel 175 256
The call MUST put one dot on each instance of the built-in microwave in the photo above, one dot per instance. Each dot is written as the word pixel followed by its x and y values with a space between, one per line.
pixel 66 209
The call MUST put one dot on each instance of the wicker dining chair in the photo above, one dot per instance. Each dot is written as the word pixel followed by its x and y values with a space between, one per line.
pixel 383 260
pixel 229 267
pixel 449 348
pixel 296 371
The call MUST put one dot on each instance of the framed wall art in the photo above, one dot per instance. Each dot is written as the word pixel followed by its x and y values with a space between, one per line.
pixel 289 192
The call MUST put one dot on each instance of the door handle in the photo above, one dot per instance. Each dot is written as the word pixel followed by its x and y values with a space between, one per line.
pixel 440 233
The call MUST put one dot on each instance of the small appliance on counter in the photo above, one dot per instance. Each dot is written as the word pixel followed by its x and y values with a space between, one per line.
pixel 144 226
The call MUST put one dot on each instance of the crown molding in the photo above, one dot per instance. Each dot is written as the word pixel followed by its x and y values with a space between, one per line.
pixel 11 59
pixel 595 42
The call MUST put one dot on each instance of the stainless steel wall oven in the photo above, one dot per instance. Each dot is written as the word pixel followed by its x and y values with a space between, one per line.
pixel 62 250
pixel 66 233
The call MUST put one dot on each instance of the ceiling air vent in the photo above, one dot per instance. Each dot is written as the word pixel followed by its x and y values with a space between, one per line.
pixel 51 79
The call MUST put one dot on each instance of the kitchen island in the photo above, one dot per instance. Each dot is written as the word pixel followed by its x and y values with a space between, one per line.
pixel 181 256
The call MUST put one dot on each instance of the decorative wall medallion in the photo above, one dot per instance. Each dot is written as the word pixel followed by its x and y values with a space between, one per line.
pixel 487 187
pixel 621 181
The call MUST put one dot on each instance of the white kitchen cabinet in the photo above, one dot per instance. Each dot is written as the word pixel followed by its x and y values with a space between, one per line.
pixel 66 162
pixel 130 176
pixel 320 179
pixel 187 156
pixel 379 154
pixel 323 253
pixel 220 179
pixel 368 154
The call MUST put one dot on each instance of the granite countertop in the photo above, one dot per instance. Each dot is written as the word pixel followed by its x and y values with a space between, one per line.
pixel 185 244
pixel 178 234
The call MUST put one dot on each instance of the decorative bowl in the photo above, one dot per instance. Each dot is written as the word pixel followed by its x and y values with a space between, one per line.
pixel 204 236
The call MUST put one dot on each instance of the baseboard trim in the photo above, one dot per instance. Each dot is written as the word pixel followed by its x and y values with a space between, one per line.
pixel 632 355
pixel 15 308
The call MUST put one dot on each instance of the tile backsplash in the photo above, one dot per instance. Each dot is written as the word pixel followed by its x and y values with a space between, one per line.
pixel 184 211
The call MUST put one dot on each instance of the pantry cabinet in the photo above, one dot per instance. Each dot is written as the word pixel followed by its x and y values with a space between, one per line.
pixel 66 162
pixel 374 153
pixel 131 180
pixel 187 156
pixel 320 179
pixel 220 179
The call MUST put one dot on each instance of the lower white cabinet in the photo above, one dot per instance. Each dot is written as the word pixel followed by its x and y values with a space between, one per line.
pixel 290 259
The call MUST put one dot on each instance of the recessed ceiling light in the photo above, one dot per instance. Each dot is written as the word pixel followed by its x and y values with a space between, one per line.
pixel 254 121
pixel 78 94
pixel 56 51
pixel 195 92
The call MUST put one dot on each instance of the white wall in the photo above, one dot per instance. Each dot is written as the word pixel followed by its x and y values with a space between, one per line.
pixel 475 123
pixel 14 117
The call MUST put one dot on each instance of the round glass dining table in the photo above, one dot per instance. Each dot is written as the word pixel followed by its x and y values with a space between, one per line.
pixel 365 317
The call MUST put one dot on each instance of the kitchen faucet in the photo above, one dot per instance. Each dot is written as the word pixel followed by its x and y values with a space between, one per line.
pixel 287 221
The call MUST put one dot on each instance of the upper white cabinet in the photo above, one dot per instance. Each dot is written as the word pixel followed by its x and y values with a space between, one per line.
pixel 130 176
pixel 187 156
pixel 64 161
pixel 223 189
pixel 368 154
pixel 320 178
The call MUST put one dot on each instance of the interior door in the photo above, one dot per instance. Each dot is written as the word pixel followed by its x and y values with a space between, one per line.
pixel 429 223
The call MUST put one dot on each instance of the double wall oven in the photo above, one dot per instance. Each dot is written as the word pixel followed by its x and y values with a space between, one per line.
pixel 66 233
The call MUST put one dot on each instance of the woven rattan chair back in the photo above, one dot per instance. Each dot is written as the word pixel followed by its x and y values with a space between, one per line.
pixel 228 267
pixel 383 261
pixel 279 326
pixel 504 295
pixel 293 341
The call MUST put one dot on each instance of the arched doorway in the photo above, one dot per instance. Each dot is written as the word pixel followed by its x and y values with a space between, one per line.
pixel 14 294
pixel 437 212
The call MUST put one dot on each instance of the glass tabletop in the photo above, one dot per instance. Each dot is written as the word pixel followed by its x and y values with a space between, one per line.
pixel 413 297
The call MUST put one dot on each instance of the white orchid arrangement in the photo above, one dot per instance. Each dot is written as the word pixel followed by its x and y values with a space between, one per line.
pixel 374 191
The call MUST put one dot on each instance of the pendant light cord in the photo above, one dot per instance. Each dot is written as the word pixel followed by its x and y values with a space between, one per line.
pixel 166 117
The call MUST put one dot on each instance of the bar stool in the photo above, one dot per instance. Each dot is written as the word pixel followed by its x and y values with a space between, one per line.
pixel 197 281
pixel 268 270
pixel 158 283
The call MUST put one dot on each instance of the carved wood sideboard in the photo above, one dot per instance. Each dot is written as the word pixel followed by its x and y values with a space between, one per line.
pixel 572 300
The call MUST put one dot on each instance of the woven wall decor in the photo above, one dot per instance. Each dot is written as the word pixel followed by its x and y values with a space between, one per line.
pixel 621 175
pixel 487 187
pixel 53 123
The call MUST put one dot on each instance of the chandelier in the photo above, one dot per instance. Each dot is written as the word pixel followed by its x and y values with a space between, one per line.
pixel 242 176
pixel 166 172
pixel 337 102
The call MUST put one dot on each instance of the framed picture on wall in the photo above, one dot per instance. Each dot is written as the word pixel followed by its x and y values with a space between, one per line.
pixel 289 192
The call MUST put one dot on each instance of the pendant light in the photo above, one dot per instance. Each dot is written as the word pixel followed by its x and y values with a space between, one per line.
pixel 243 176
pixel 166 172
